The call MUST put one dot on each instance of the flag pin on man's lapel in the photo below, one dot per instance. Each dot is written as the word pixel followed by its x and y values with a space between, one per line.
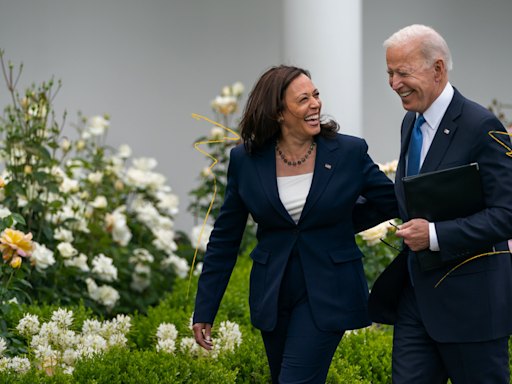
pixel 328 166
pixel 447 131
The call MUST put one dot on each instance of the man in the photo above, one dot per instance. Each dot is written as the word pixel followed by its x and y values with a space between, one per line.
pixel 459 330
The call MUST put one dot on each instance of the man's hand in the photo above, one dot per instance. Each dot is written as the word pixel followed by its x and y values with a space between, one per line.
pixel 415 234
pixel 205 340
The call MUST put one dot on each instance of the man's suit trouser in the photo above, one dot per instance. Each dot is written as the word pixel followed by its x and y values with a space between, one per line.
pixel 418 359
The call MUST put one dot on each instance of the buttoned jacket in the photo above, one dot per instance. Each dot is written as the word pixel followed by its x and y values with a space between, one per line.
pixel 324 235
pixel 474 302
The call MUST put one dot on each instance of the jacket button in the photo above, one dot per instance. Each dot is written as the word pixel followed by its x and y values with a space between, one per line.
pixel 296 232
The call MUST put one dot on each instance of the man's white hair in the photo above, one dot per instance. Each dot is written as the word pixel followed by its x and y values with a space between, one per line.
pixel 433 45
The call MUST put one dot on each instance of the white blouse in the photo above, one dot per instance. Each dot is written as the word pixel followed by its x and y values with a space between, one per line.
pixel 293 191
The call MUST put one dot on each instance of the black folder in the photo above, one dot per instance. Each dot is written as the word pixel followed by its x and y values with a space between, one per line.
pixel 444 195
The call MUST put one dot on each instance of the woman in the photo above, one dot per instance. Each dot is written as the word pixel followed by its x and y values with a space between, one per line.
pixel 300 181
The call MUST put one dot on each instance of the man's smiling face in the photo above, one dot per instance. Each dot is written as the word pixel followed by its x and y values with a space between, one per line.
pixel 408 77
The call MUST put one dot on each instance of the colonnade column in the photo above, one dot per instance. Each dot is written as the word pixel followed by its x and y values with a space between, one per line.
pixel 325 37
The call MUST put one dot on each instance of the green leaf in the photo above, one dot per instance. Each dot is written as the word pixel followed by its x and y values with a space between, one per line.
pixel 8 221
pixel 47 232
pixel 19 218
pixel 6 308
pixel 20 274
pixel 25 282
pixel 55 204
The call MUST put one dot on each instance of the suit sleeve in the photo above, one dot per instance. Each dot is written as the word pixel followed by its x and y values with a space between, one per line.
pixel 378 202
pixel 493 225
pixel 222 250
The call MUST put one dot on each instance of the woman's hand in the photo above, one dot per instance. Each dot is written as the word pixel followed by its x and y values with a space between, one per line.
pixel 204 340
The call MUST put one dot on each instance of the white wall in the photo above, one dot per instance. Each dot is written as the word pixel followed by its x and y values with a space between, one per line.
pixel 479 35
pixel 150 64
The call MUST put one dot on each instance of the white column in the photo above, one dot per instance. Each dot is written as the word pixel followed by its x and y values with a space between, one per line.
pixel 325 37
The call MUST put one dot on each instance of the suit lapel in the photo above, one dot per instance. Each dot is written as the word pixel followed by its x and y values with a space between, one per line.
pixel 266 165
pixel 444 135
pixel 325 166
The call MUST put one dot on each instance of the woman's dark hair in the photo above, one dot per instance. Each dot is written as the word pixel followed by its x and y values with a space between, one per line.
pixel 259 124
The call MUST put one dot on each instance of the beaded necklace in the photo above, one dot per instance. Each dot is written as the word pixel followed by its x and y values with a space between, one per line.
pixel 298 162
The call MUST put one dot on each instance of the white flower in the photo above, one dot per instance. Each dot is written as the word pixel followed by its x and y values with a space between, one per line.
pixel 123 323
pixel 168 202
pixel 86 135
pixel 226 90
pixel 44 353
pixel 141 254
pixel 237 88
pixel 28 325
pixel 225 104
pixel 80 145
pixel 20 365
pixel 229 335
pixel 188 344
pixel 206 172
pixel 116 165
pixel 4 211
pixel 164 240
pixel 63 317
pixel 42 257
pixel 5 363
pixel 117 340
pixel 66 249
pixel 68 339
pixel 145 163
pixel 115 224
pixel 124 151
pixel 63 234
pixel 166 331
pixel 104 268
pixel 91 326
pixel 167 346
pixel 95 177
pixel 100 202
pixel 3 346
pixel 140 283
pixel 68 370
pixel 69 185
pixel 92 288
pixel 69 356
pixel 205 237
pixel 79 262
pixel 38 340
pixel 216 133
pixel 65 145
pixel 107 296
pixel 372 235
pixel 199 269
pixel 97 125
pixel 180 265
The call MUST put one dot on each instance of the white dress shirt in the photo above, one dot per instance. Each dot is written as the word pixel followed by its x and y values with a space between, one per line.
pixel 293 191
pixel 433 117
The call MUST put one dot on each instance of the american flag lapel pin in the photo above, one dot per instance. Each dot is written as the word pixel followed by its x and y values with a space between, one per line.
pixel 447 131
pixel 328 166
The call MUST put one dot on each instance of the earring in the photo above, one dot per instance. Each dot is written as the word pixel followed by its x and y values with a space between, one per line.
pixel 281 121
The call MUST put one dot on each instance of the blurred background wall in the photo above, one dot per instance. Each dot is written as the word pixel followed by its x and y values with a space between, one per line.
pixel 151 64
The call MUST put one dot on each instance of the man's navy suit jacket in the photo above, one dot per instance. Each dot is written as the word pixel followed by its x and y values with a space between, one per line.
pixel 333 269
pixel 474 303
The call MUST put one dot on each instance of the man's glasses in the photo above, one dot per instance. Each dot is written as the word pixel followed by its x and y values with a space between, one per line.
pixel 391 245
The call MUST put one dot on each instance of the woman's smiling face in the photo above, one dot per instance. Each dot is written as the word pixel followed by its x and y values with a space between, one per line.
pixel 302 112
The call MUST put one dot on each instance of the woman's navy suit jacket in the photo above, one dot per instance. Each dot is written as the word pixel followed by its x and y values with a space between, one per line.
pixel 331 260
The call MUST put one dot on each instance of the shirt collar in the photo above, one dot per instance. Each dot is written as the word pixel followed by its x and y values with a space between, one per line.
pixel 436 111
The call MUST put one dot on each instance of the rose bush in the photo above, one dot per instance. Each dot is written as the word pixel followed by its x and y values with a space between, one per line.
pixel 101 225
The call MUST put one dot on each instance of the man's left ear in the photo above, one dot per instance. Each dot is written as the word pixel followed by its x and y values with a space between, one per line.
pixel 439 69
